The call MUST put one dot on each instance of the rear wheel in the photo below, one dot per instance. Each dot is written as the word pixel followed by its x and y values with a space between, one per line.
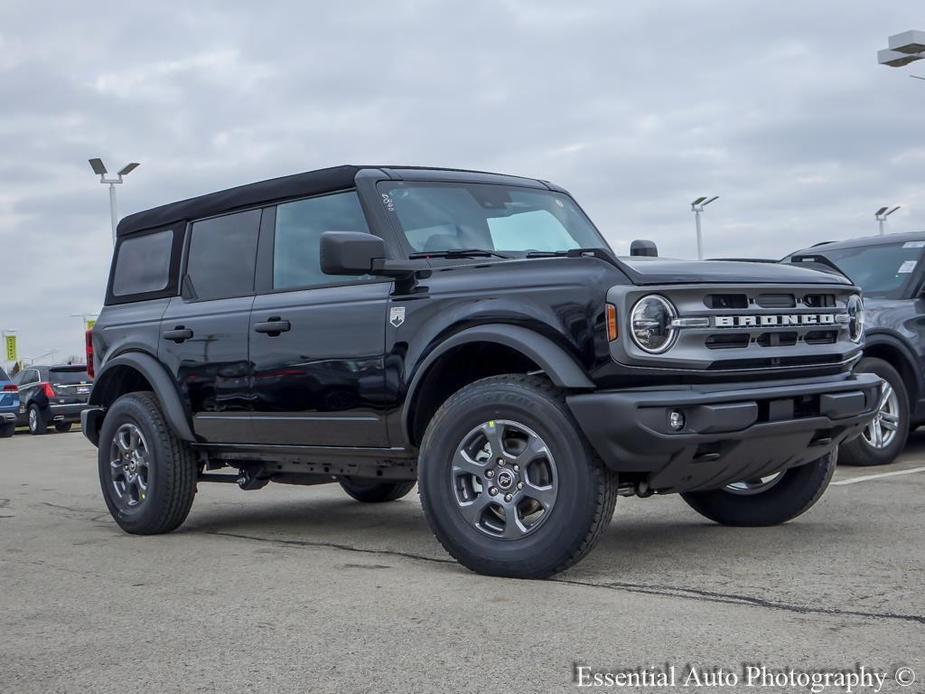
pixel 7 430
pixel 508 484
pixel 147 475
pixel 885 437
pixel 63 427
pixel 373 491
pixel 38 425
pixel 770 500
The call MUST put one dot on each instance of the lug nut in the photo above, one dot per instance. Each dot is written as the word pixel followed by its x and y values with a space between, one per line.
pixel 501 461
pixel 520 485
pixel 489 474
pixel 516 467
pixel 508 497
pixel 493 491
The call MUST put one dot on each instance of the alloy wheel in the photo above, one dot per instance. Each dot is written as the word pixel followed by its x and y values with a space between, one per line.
pixel 883 427
pixel 755 486
pixel 129 466
pixel 504 479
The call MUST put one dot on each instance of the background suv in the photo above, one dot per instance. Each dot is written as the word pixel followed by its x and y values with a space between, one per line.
pixel 9 405
pixel 890 271
pixel 52 395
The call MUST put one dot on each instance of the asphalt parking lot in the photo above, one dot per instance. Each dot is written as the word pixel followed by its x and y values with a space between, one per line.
pixel 303 589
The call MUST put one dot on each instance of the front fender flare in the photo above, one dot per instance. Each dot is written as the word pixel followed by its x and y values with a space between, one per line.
pixel 161 383
pixel 561 368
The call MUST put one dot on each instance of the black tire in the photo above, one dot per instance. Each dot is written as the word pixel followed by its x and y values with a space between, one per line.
pixel 373 491
pixel 63 427
pixel 38 424
pixel 860 451
pixel 586 490
pixel 7 430
pixel 172 468
pixel 793 494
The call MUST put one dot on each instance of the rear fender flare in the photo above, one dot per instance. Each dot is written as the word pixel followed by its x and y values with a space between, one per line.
pixel 161 383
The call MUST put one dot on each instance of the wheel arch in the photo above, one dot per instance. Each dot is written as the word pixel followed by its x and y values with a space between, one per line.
pixel 891 350
pixel 479 352
pixel 137 371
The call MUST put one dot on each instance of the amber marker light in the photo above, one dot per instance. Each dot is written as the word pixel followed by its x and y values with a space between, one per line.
pixel 611 322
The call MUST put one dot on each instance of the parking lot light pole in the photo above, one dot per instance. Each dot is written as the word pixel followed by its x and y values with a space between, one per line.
pixel 881 215
pixel 112 181
pixel 697 208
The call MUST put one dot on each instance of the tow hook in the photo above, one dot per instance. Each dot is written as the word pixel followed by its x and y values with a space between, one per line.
pixel 248 481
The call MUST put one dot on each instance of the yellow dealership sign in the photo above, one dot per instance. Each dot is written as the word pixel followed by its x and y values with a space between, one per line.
pixel 10 344
pixel 90 323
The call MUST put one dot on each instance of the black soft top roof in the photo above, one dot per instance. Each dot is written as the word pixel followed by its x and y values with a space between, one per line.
pixel 302 184
pixel 305 184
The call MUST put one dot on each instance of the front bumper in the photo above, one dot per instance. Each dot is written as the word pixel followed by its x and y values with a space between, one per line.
pixel 731 433
pixel 9 417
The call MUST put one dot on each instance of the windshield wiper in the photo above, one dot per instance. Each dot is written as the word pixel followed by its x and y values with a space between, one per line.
pixel 458 253
pixel 570 253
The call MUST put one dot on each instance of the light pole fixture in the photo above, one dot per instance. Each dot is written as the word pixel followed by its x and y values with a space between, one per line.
pixel 881 215
pixel 99 168
pixel 697 208
pixel 904 48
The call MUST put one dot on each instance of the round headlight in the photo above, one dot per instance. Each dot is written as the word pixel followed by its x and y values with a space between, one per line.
pixel 855 317
pixel 650 323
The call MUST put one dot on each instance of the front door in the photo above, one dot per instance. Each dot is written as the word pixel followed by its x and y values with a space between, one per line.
pixel 317 341
pixel 204 333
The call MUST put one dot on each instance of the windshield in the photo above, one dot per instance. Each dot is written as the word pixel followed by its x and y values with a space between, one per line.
pixel 508 219
pixel 880 271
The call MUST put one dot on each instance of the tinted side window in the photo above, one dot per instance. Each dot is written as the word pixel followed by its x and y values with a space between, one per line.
pixel 297 245
pixel 143 264
pixel 223 255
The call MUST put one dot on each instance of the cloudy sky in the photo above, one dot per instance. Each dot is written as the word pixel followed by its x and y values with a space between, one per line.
pixel 637 108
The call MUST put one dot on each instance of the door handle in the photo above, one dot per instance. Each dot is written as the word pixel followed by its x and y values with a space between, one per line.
pixel 273 327
pixel 178 334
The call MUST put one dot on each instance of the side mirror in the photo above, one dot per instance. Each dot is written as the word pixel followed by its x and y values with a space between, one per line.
pixel 350 252
pixel 644 248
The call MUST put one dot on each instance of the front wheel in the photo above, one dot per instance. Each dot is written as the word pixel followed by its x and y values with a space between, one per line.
pixel 885 436
pixel 63 427
pixel 7 430
pixel 373 491
pixel 148 475
pixel 770 500
pixel 508 484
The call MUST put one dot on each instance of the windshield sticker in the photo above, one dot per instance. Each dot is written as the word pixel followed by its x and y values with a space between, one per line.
pixel 914 244
pixel 906 267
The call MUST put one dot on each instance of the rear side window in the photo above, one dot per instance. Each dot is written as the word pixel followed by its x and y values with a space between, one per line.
pixel 223 255
pixel 297 245
pixel 143 264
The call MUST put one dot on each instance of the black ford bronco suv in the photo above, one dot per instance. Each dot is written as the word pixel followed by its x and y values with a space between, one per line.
pixel 470 332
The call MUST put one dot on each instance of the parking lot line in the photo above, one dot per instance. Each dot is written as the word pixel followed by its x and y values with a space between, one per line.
pixel 882 475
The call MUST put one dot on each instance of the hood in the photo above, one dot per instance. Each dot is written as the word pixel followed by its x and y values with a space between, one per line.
pixel 648 270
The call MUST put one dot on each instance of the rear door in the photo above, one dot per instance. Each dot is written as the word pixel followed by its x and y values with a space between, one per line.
pixel 204 332
pixel 317 341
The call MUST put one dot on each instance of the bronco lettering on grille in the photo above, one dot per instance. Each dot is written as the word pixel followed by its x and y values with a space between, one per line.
pixel 765 321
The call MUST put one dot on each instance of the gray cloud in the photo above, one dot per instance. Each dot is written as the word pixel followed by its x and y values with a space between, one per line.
pixel 636 108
